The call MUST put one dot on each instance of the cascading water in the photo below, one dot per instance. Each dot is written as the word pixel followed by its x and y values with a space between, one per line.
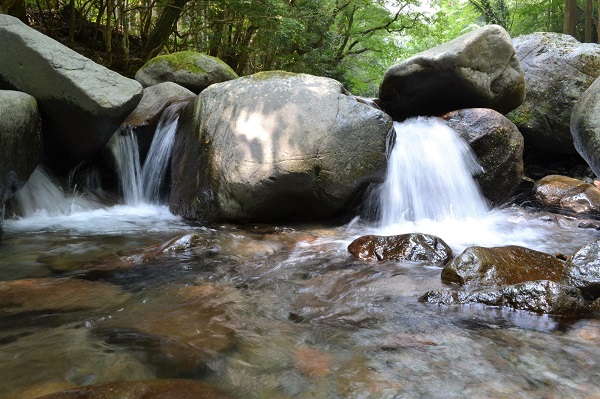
pixel 430 175
pixel 141 184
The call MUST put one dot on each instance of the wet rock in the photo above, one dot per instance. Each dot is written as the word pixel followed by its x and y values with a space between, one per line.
pixel 57 295
pixel 149 389
pixel 558 70
pixel 498 145
pixel 582 270
pixel 567 193
pixel 176 244
pixel 410 247
pixel 244 151
pixel 540 296
pixel 192 70
pixel 20 143
pixel 478 69
pixel 492 267
pixel 82 103
pixel 585 126
pixel 145 117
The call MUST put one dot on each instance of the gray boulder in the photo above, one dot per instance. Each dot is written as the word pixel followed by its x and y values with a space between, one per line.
pixel 192 70
pixel 20 143
pixel 582 270
pixel 82 103
pixel 498 145
pixel 275 146
pixel 478 69
pixel 558 70
pixel 542 296
pixel 585 126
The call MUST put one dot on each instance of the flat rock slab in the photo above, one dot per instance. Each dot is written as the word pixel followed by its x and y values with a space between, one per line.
pixel 82 103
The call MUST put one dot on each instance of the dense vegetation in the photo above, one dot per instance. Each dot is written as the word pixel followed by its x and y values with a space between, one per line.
pixel 353 41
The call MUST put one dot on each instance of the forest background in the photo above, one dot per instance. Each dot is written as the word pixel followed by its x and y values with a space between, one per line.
pixel 353 41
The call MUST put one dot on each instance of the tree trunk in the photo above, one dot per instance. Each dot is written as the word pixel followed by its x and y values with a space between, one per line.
pixel 159 35
pixel 589 10
pixel 570 21
pixel 16 8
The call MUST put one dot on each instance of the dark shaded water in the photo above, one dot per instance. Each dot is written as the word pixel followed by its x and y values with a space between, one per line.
pixel 273 311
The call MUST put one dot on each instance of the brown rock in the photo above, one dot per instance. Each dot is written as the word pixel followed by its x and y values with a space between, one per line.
pixel 410 247
pixel 57 295
pixel 567 193
pixel 492 267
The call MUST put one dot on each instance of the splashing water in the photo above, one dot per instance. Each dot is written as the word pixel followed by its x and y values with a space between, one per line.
pixel 430 175
pixel 139 184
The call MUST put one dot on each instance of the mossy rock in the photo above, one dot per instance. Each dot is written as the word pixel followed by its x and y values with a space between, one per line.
pixel 192 70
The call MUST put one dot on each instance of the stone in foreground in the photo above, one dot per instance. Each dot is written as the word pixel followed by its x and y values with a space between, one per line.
pixel 541 296
pixel 409 247
pixel 479 267
pixel 476 70
pixel 275 146
pixel 582 271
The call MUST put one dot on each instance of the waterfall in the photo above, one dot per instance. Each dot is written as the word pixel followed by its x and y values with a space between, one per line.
pixel 430 176
pixel 42 194
pixel 141 184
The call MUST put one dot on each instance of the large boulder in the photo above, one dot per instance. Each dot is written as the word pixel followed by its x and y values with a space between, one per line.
pixel 81 102
pixel 567 194
pixel 498 145
pixel 492 267
pixel 478 69
pixel 274 146
pixel 20 143
pixel 582 270
pixel 410 247
pixel 192 70
pixel 558 70
pixel 585 126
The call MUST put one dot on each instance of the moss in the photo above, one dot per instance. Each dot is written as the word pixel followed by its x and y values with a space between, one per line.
pixel 190 61
pixel 272 74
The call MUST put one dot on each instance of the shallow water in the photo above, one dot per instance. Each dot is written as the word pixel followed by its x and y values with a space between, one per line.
pixel 274 311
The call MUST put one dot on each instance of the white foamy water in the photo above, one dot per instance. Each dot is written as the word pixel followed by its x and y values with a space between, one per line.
pixel 430 175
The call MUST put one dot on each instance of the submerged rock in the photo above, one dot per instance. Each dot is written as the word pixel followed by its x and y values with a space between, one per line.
pixel 192 70
pixel 492 267
pixel 20 143
pixel 541 296
pixel 498 145
pixel 568 194
pixel 57 295
pixel 82 103
pixel 410 247
pixel 582 270
pixel 478 69
pixel 149 389
pixel 558 70
pixel 275 146
pixel 585 126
